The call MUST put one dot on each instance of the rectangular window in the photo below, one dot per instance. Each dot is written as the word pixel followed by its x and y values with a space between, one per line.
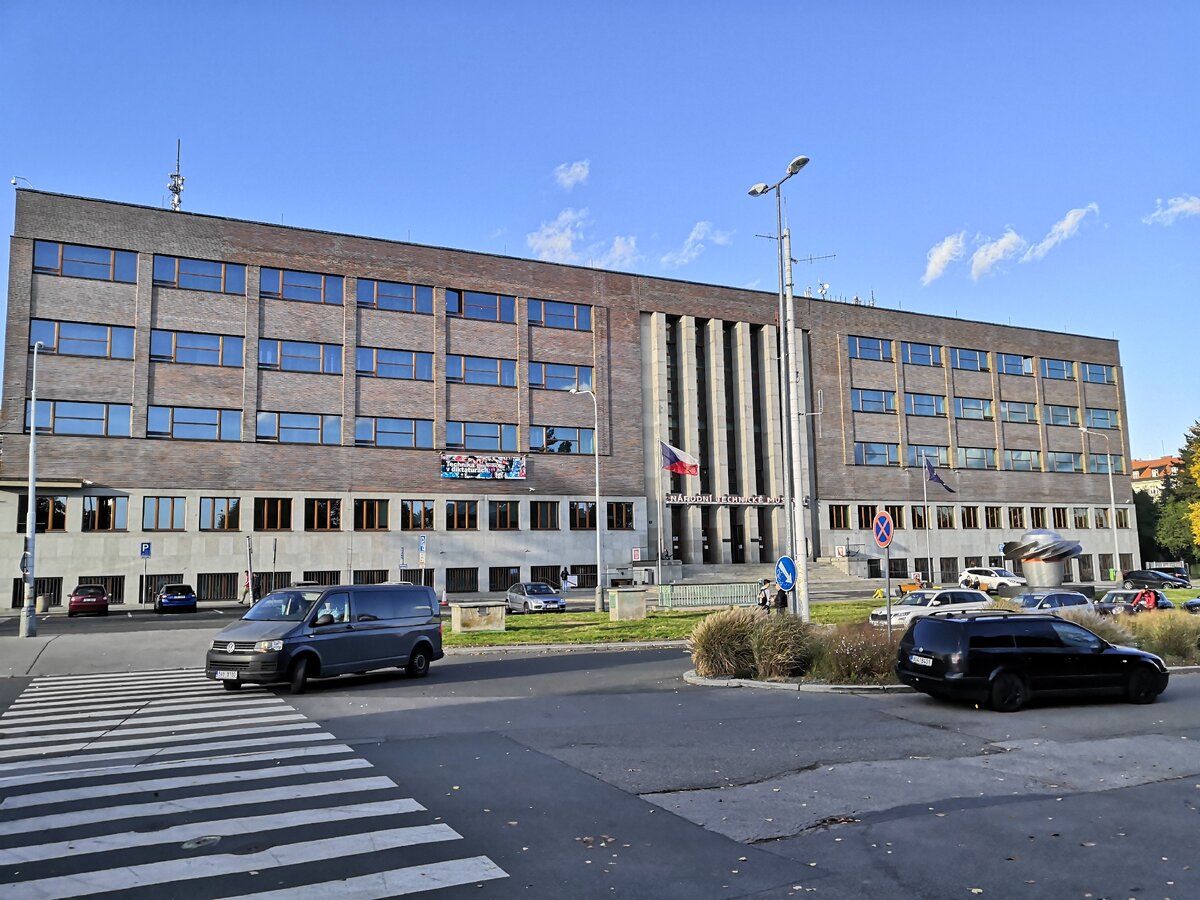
pixel 1062 415
pixel 476 305
pixel 582 515
pixel 78 261
pixel 370 515
pixel 272 513
pixel 973 408
pixel 558 377
pixel 69 417
pixel 220 514
pixel 409 365
pixel 199 275
pixel 1014 411
pixel 918 517
pixel 897 513
pixel 556 439
pixel 991 516
pixel 1058 369
pixel 381 432
pixel 839 516
pixel 862 400
pixel 971 360
pixel 554 314
pixel 51 513
pixel 416 515
pixel 186 423
pixel 1037 517
pixel 945 516
pixel 1061 461
pixel 501 578
pixel 307 287
pixel 81 339
pixel 1016 517
pixel 1079 516
pixel 196 348
pixel 873 453
pixel 462 515
pixel 1023 460
pixel 321 514
pixel 976 457
pixel 936 454
pixel 543 515
pixel 504 515
pixel 920 354
pixel 397 296
pixel 869 348
pixel 620 517
pixel 1060 516
pixel 1122 518
pixel 298 428
pixel 1102 418
pixel 1014 364
pixel 1098 463
pixel 866 516
pixel 162 513
pixel 1101 517
pixel 480 436
pixel 462 581
pixel 1098 373
pixel 925 404
pixel 103 514
pixel 481 370
pixel 300 356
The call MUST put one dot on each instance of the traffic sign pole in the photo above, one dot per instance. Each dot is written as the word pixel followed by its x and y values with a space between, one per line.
pixel 882 528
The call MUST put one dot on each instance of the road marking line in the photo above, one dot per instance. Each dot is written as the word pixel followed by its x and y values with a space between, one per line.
pixel 394 883
pixel 37 698
pixel 135 706
pixel 32 742
pixel 188 671
pixel 192 694
pixel 137 717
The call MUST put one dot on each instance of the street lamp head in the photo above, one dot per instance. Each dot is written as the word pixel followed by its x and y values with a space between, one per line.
pixel 796 165
pixel 759 189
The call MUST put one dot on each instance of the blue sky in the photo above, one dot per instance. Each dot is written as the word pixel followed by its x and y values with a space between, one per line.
pixel 1028 163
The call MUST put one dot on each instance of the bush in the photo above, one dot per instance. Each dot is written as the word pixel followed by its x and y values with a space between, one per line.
pixel 1003 604
pixel 720 643
pixel 856 654
pixel 1107 627
pixel 1172 634
pixel 782 646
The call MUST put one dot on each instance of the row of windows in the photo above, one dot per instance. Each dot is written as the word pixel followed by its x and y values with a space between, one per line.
pixel 877 453
pixel 320 514
pixel 917 354
pixel 948 516
pixel 980 408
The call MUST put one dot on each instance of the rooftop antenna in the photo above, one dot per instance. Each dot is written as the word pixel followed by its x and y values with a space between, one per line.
pixel 176 185
pixel 823 289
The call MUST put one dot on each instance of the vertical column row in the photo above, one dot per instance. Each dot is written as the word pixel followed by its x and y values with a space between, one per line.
pixel 720 534
pixel 691 537
pixel 743 372
pixel 772 435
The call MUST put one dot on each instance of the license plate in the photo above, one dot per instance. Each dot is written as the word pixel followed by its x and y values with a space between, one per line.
pixel 89 599
pixel 920 660
pixel 227 674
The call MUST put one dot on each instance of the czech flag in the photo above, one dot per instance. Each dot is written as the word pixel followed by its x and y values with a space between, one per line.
pixel 935 477
pixel 675 460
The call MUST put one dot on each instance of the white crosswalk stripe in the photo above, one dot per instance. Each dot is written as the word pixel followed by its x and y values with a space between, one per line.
pixel 152 779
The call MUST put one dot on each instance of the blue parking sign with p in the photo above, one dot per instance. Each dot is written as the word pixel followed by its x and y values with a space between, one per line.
pixel 145 550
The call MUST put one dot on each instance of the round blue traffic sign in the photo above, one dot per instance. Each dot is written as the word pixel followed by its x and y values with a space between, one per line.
pixel 881 527
pixel 785 572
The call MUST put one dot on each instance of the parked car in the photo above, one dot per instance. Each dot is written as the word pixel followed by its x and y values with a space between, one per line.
pixel 175 598
pixel 1053 602
pixel 1004 659
pixel 88 599
pixel 534 596
pixel 988 579
pixel 1152 578
pixel 295 634
pixel 923 602
pixel 1121 602
pixel 1192 606
pixel 1177 571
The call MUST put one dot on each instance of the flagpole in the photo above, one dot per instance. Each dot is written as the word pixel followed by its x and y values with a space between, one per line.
pixel 928 522
pixel 662 508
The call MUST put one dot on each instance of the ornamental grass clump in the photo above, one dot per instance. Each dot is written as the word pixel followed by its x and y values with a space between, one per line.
pixel 855 654
pixel 783 647
pixel 1003 604
pixel 720 643
pixel 1172 634
pixel 1106 627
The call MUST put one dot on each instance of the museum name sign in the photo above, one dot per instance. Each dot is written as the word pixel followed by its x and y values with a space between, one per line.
pixel 721 500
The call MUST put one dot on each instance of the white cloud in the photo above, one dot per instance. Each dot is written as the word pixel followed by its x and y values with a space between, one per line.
pixel 555 241
pixel 570 174
pixel 941 255
pixel 622 254
pixel 1061 230
pixel 992 252
pixel 1176 208
pixel 694 245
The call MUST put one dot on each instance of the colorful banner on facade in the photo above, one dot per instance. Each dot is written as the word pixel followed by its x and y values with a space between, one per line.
pixel 474 465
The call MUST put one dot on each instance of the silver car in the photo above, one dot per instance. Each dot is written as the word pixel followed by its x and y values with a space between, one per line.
pixel 1053 602
pixel 534 596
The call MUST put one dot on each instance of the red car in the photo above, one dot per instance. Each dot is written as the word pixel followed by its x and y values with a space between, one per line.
pixel 88 598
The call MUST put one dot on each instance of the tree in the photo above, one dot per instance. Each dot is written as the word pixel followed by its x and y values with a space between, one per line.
pixel 1178 530
pixel 1147 511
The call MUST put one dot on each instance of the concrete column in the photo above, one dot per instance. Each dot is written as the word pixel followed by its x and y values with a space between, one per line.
pixel 250 374
pixel 655 377
pixel 717 450
pixel 744 435
pixel 349 364
pixel 772 436
pixel 691 537
pixel 143 316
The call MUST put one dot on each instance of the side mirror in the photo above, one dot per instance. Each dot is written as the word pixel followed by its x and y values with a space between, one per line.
pixel 326 619
pixel 935 602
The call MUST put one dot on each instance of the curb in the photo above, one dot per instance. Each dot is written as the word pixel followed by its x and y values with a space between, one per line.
pixel 691 677
pixel 563 648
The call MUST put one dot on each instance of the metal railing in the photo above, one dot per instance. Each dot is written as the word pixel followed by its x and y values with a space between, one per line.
pixel 676 596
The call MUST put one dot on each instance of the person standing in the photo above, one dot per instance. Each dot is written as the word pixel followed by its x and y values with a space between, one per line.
pixel 247 591
pixel 763 594
pixel 781 601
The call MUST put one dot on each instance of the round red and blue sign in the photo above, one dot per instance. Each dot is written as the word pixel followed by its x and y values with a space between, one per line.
pixel 882 529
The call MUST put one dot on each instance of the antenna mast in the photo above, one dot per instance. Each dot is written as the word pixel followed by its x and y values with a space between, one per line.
pixel 176 185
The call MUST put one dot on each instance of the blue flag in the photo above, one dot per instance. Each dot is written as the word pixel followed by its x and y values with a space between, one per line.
pixel 934 477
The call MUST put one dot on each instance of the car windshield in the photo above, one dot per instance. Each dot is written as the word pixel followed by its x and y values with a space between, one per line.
pixel 1004 573
pixel 1028 601
pixel 538 588
pixel 282 606
pixel 916 598
pixel 89 590
pixel 1119 596
pixel 177 589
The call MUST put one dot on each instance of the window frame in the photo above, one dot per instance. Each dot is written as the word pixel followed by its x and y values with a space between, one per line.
pixel 212 509
pixel 53 347
pixel 118 260
pixel 931 359
pixel 52 409
pixel 860 347
pixel 868 450
pixel 117 513
pixel 489 371
pixel 322 514
pixel 328 356
pixel 584 439
pixel 1057 369
pixel 620 515
pixel 504 515
pixel 464 304
pixel 462 515
pixel 416 514
pixel 382 360
pixel 911 407
pixel 54 520
pixel 367 432
pixel 1004 365
pixel 539 316
pixel 581 515
pixel 461 434
pixel 871 400
pixel 230 419
pixel 228 346
pixel 964 404
pixel 177 507
pixel 226 283
pixel 420 301
pixel 331 290
pixel 1010 411
pixel 325 425
pixel 537 509
pixel 542 379
pixel 966 359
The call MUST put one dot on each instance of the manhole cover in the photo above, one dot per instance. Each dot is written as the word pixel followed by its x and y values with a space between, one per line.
pixel 207 841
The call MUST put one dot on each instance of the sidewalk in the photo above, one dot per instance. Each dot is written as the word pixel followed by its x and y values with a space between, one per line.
pixel 90 654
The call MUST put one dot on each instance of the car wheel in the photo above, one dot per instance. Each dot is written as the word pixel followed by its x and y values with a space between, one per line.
pixel 105 613
pixel 70 615
pixel 1128 585
pixel 525 608
pixel 298 679
pixel 1142 686
pixel 1009 693
pixel 231 685
pixel 157 609
pixel 418 663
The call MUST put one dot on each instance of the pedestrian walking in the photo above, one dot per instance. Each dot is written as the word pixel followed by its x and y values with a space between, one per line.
pixel 247 591
pixel 781 601
pixel 764 595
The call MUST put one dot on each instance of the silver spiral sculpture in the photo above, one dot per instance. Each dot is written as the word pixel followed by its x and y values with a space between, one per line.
pixel 1042 554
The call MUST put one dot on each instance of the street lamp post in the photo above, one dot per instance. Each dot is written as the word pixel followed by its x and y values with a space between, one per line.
pixel 599 540
pixel 28 627
pixel 787 403
pixel 1112 497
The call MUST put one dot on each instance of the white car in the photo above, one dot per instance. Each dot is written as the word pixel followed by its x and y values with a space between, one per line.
pixel 921 603
pixel 988 579
pixel 1053 602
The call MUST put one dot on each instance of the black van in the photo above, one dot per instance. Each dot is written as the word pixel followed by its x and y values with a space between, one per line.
pixel 303 632
pixel 1005 658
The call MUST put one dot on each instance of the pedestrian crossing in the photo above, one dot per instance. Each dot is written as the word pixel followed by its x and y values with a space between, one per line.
pixel 162 784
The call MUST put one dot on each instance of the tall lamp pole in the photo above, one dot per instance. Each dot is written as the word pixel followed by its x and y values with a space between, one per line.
pixel 28 627
pixel 788 386
pixel 1112 498
pixel 599 540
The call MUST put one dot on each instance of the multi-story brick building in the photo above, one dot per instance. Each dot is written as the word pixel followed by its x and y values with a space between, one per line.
pixel 208 385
